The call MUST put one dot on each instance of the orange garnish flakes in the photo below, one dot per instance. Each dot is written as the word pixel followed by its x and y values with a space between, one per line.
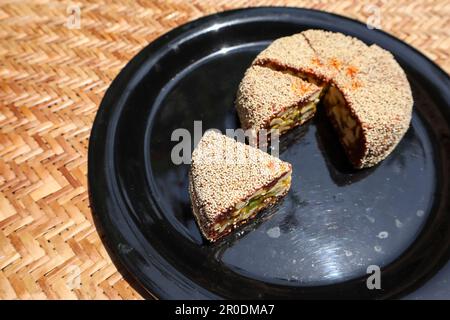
pixel 355 85
pixel 316 61
pixel 299 87
pixel 352 71
pixel 335 63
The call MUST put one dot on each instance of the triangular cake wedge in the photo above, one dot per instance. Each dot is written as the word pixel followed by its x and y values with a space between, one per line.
pixel 230 183
pixel 270 99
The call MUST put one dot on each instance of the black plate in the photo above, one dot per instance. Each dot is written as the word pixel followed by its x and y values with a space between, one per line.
pixel 335 221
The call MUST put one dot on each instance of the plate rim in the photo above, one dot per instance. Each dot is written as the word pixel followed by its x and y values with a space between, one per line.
pixel 104 120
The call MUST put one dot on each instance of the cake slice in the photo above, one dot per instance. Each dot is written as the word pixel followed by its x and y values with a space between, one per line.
pixel 270 99
pixel 230 183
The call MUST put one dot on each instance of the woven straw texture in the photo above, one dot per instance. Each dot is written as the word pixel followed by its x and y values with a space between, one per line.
pixel 53 74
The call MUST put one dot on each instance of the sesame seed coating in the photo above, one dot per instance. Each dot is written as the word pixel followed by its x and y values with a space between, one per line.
pixel 263 93
pixel 334 51
pixel 294 53
pixel 224 173
pixel 374 86
pixel 380 98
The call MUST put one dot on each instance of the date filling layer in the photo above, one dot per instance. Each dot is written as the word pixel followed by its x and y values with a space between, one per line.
pixel 343 121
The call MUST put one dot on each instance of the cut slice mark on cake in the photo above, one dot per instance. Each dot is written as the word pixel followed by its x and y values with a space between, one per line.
pixel 342 119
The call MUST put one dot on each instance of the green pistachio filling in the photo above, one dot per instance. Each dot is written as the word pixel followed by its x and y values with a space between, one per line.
pixel 292 117
pixel 246 209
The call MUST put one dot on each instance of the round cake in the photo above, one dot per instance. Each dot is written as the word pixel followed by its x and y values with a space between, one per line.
pixel 364 91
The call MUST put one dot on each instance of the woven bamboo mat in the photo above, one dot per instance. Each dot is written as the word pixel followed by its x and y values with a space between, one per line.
pixel 54 70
